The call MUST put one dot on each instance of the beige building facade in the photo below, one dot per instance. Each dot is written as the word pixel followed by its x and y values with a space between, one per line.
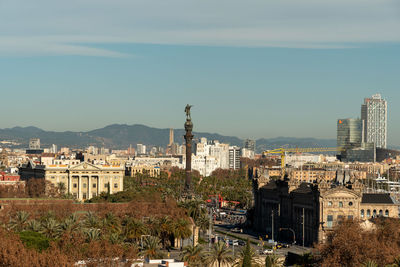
pixel 312 175
pixel 318 175
pixel 367 168
pixel 153 171
pixel 83 181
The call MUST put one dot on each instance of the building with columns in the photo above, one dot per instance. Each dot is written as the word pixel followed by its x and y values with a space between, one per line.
pixel 83 181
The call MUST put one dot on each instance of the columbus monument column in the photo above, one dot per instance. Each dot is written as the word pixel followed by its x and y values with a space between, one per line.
pixel 188 137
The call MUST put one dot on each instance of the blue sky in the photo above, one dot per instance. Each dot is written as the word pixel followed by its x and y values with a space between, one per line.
pixel 250 68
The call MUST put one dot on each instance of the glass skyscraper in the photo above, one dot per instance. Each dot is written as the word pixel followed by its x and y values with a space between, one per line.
pixel 374 116
pixel 349 133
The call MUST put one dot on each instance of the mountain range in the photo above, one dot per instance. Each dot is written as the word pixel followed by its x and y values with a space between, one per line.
pixel 121 136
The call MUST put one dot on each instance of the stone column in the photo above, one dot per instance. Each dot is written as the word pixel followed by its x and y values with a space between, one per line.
pixel 121 182
pixel 98 185
pixel 89 187
pixel 188 138
pixel 111 185
pixel 79 187
pixel 69 177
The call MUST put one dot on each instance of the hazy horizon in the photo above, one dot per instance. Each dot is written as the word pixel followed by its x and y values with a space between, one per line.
pixel 195 130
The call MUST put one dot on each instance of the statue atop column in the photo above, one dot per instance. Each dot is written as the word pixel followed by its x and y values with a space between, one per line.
pixel 187 111
pixel 188 137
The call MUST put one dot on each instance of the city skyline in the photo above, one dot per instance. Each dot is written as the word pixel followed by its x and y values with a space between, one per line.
pixel 199 130
pixel 68 66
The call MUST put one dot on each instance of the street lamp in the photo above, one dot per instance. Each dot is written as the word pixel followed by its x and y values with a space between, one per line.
pixel 233 246
pixel 210 227
pixel 290 229
pixel 303 217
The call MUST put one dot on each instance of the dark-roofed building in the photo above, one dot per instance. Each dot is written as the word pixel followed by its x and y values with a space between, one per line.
pixel 368 198
pixel 373 205
pixel 287 210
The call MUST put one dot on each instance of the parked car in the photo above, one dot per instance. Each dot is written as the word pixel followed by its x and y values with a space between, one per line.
pixel 242 243
pixel 233 242
pixel 268 251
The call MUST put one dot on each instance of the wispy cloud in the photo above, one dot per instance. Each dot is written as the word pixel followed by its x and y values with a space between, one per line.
pixel 44 46
pixel 48 27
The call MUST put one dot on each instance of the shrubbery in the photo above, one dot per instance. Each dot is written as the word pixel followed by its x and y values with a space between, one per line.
pixel 34 240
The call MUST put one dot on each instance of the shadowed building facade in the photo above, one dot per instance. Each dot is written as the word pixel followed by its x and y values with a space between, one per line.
pixel 310 211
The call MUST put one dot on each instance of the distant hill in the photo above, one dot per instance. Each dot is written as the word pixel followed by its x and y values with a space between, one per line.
pixel 120 136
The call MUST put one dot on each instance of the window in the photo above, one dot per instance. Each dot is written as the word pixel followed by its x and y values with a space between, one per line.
pixel 340 204
pixel 380 212
pixel 350 203
pixel 350 217
pixel 374 213
pixel 386 213
pixel 340 217
pixel 94 185
pixel 75 185
pixel 362 213
pixel 84 185
pixel 106 185
pixel 75 195
pixel 115 185
pixel 368 213
pixel 84 196
pixel 330 221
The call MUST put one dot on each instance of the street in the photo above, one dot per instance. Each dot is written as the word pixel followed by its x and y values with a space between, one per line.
pixel 253 237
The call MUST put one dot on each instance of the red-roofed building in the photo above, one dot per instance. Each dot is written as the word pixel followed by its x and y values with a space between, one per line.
pixel 9 177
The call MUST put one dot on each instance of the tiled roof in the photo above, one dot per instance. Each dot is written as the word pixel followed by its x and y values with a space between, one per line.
pixel 48 155
pixel 377 198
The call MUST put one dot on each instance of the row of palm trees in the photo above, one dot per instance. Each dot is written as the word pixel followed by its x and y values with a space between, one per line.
pixel 197 210
pixel 220 255
pixel 372 263
pixel 128 230
pixel 111 227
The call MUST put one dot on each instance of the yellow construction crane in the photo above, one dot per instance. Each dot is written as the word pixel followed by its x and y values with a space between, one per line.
pixel 283 152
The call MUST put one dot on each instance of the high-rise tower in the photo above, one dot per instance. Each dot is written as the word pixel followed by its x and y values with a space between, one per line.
pixel 349 135
pixel 171 137
pixel 374 115
pixel 250 144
